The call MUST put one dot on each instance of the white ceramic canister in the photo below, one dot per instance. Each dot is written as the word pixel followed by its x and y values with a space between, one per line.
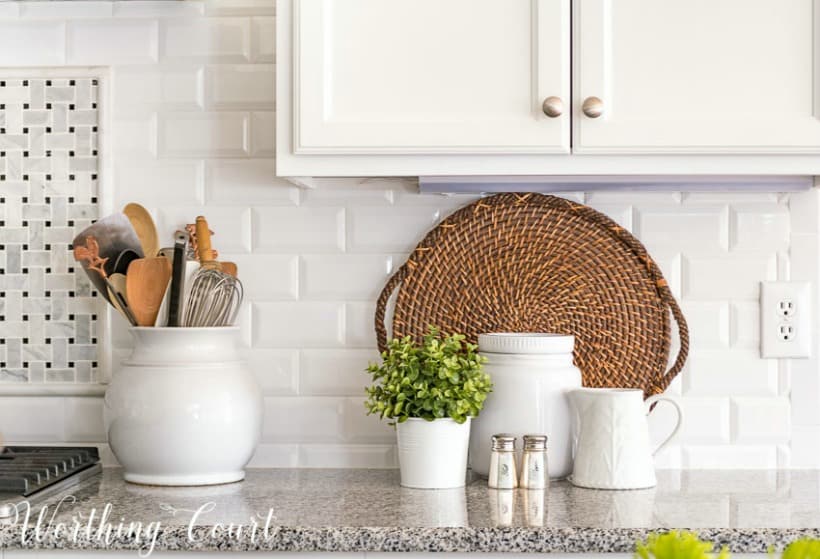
pixel 183 409
pixel 531 375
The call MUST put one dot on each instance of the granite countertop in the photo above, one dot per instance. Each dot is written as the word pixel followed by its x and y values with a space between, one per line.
pixel 366 510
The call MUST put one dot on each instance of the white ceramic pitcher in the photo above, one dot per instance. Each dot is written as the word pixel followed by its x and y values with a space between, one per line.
pixel 611 438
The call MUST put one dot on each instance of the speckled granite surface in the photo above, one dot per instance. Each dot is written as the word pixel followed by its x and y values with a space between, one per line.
pixel 366 510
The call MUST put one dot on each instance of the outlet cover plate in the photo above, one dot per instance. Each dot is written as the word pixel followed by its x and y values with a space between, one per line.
pixel 773 319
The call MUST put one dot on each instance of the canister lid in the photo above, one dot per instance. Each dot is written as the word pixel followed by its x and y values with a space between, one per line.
pixel 525 343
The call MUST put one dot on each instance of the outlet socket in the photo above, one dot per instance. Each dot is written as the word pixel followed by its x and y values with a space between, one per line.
pixel 785 319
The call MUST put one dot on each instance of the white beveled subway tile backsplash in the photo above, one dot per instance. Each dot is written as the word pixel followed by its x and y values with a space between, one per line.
pixel 190 117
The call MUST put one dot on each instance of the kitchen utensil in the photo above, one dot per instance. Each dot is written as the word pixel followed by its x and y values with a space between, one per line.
pixel 611 439
pixel 191 268
pixel 183 408
pixel 193 245
pixel 534 463
pixel 124 260
pixel 147 280
pixel 88 254
pixel 177 279
pixel 144 226
pixel 118 291
pixel 215 296
pixel 229 268
pixel 536 263
pixel 110 238
pixel 531 375
pixel 503 469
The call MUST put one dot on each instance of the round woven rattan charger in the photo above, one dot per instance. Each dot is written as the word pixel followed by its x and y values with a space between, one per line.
pixel 536 263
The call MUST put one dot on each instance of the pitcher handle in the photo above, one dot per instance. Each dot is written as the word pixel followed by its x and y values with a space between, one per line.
pixel 649 402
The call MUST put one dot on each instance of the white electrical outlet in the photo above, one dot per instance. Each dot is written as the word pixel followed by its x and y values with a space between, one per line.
pixel 785 319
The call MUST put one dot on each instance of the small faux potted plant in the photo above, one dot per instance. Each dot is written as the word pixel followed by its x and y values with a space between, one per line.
pixel 430 391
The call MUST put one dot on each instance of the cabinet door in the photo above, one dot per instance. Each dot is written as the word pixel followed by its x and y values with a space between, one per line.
pixel 429 76
pixel 697 76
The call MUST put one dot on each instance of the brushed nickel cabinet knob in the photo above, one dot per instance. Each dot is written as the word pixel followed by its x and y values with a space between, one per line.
pixel 553 106
pixel 593 107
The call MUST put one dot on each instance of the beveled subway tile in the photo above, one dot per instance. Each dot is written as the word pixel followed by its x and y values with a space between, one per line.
pixel 215 40
pixel 44 43
pixel 126 42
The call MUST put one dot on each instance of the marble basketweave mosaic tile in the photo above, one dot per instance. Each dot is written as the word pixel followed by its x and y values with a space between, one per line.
pixel 48 193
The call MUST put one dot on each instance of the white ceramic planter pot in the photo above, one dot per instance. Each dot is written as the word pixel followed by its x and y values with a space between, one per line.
pixel 183 409
pixel 433 454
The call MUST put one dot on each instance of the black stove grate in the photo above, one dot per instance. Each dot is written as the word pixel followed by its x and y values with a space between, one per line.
pixel 24 470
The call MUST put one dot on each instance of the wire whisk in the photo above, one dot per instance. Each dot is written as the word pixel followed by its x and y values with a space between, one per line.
pixel 215 296
pixel 214 300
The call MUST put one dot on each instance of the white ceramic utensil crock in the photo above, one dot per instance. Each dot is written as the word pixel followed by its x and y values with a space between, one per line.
pixel 531 375
pixel 611 440
pixel 183 409
pixel 433 454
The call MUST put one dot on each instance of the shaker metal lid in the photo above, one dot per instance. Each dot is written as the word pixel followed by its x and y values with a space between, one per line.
pixel 535 442
pixel 525 343
pixel 503 441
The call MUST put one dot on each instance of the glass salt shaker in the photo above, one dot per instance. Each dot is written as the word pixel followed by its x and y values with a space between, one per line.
pixel 503 472
pixel 534 474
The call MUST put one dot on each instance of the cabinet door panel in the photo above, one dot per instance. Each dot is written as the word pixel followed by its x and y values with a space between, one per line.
pixel 689 76
pixel 429 76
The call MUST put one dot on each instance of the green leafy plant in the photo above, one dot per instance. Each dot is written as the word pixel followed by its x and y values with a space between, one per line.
pixel 802 549
pixel 677 545
pixel 441 377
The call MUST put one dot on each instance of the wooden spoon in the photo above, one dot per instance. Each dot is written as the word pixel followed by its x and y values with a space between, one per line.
pixel 146 281
pixel 144 226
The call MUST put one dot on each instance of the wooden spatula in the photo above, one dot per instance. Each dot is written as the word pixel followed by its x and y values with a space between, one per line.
pixel 146 282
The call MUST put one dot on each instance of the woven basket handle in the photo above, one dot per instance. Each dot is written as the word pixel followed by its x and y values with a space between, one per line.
pixel 381 305
pixel 683 336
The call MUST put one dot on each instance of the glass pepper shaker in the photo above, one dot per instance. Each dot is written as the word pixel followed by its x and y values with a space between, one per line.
pixel 534 474
pixel 503 472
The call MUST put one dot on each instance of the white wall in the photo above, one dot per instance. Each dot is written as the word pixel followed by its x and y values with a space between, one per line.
pixel 191 130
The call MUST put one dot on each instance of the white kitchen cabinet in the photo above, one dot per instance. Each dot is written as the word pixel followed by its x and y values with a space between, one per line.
pixel 457 87
pixel 707 76
pixel 430 76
